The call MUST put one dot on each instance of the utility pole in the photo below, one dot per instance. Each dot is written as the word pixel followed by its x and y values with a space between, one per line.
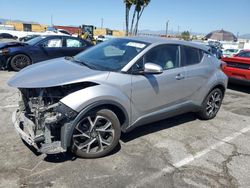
pixel 167 28
pixel 101 23
pixel 51 20
pixel 178 30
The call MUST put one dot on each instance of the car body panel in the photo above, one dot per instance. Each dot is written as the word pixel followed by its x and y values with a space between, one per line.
pixel 151 92
pixel 43 75
pixel 237 68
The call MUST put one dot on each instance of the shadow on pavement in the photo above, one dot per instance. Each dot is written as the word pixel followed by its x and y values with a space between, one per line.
pixel 59 158
pixel 239 87
pixel 68 156
pixel 158 126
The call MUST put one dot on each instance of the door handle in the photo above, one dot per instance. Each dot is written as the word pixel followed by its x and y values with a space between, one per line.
pixel 179 76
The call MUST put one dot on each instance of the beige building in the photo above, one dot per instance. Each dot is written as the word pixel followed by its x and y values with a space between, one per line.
pixel 27 26
pixel 104 31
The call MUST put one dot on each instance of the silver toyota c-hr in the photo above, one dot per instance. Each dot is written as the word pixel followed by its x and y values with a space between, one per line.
pixel 83 103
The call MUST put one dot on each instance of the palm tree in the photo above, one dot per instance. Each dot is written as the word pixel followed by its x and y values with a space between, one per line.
pixel 138 10
pixel 128 4
pixel 139 7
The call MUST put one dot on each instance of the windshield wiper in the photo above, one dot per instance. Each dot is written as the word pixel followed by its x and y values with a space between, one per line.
pixel 78 61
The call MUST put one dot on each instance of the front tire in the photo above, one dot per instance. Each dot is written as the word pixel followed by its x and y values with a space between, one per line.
pixel 96 134
pixel 19 61
pixel 211 104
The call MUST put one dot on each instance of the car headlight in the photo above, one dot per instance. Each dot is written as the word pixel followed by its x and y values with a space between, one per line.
pixel 4 51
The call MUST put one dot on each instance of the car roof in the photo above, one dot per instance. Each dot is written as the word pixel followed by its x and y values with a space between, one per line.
pixel 161 40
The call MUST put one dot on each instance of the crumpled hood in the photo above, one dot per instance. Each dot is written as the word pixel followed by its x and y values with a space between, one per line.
pixel 11 44
pixel 54 72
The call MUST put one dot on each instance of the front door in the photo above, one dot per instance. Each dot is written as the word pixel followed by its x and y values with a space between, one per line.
pixel 154 92
pixel 50 48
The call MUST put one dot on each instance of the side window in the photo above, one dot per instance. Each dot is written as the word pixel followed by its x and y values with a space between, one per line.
pixel 191 56
pixel 52 43
pixel 74 43
pixel 167 56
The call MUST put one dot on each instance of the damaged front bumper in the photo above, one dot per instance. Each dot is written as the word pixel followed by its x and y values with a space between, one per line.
pixel 17 119
pixel 25 129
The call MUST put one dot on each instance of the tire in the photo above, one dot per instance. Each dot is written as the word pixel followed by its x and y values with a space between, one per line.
pixel 19 61
pixel 96 134
pixel 211 104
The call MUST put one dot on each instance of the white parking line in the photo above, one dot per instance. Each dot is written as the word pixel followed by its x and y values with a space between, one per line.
pixel 9 106
pixel 189 159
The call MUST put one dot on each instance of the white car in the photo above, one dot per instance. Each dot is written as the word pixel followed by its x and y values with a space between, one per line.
pixel 230 52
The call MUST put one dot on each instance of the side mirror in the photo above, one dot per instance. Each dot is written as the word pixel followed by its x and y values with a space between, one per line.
pixel 42 45
pixel 151 68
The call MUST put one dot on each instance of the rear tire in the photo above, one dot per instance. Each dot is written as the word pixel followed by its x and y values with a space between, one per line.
pixel 211 104
pixel 19 61
pixel 96 134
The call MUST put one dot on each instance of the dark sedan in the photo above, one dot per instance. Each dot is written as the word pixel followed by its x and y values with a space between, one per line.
pixel 17 55
pixel 7 36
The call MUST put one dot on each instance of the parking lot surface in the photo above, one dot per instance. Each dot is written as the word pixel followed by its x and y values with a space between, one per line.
pixel 178 152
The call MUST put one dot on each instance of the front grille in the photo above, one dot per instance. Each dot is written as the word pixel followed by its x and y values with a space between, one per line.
pixel 238 65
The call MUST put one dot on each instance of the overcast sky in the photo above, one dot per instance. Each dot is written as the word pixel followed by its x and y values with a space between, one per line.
pixel 195 15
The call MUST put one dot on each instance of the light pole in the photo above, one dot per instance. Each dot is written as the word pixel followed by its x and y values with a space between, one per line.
pixel 167 28
pixel 101 22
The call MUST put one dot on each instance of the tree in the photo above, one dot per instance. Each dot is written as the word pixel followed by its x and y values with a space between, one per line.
pixel 185 35
pixel 139 6
pixel 128 4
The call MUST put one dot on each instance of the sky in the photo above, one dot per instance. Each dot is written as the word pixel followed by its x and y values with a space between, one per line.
pixel 193 15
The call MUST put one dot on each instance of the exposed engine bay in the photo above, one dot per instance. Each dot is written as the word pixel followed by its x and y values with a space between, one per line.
pixel 41 115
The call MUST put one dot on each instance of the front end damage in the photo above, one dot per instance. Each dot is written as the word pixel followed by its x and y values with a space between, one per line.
pixel 41 116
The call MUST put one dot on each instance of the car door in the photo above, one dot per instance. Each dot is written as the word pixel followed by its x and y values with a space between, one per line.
pixel 198 69
pixel 50 48
pixel 156 92
pixel 73 46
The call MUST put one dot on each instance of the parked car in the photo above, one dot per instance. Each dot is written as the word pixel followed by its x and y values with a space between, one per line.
pixel 237 68
pixel 215 51
pixel 28 37
pixel 230 52
pixel 19 55
pixel 83 103
pixel 7 36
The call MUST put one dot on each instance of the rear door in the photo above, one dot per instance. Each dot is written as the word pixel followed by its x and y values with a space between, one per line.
pixel 198 69
pixel 73 46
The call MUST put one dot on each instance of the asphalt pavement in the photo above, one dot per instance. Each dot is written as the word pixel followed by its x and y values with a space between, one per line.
pixel 177 152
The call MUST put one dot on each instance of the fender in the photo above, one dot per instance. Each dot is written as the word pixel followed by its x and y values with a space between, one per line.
pixel 86 99
pixel 68 128
pixel 214 81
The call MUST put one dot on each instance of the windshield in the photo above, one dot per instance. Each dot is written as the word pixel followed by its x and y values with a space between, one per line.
pixel 111 55
pixel 34 40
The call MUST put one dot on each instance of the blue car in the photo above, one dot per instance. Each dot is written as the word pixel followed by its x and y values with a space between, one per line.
pixel 16 55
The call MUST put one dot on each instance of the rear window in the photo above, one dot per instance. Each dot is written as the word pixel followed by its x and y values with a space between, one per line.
pixel 191 56
pixel 244 54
